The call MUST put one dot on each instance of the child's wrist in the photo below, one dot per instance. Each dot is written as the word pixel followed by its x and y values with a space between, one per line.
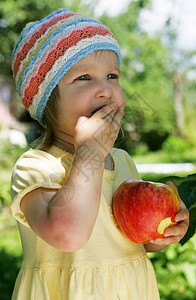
pixel 86 152
pixel 89 149
pixel 89 158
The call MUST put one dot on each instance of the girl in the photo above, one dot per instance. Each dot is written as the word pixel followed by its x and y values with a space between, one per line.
pixel 66 69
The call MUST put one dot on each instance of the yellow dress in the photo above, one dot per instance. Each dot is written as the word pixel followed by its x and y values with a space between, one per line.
pixel 108 267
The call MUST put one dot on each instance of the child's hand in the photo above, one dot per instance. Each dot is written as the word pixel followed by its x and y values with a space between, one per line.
pixel 175 233
pixel 100 130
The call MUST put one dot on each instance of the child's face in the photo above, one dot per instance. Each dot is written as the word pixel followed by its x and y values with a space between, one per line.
pixel 89 85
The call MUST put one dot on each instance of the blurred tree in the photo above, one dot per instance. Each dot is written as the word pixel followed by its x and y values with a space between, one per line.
pixel 153 78
pixel 149 113
pixel 179 64
pixel 189 92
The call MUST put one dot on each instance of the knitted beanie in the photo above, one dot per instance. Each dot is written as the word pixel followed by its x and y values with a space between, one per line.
pixel 47 49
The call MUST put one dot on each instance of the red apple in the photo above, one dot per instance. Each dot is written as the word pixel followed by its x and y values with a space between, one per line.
pixel 143 210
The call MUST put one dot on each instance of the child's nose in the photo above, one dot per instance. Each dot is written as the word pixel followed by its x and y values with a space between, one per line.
pixel 104 90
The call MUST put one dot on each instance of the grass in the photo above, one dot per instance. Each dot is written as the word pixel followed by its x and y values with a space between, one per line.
pixel 164 157
pixel 188 156
pixel 158 177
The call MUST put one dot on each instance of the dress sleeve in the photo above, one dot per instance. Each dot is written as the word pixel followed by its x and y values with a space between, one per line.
pixel 34 169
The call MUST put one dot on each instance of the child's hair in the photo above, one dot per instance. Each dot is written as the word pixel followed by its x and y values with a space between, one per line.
pixel 50 115
pixel 46 50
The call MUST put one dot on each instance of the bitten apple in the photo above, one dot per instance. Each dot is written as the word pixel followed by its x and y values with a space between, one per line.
pixel 143 210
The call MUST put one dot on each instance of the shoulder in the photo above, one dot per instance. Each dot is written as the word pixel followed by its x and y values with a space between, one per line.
pixel 37 159
pixel 121 155
pixel 35 155
pixel 124 162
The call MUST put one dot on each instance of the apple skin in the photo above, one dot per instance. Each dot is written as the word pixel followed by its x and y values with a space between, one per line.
pixel 140 206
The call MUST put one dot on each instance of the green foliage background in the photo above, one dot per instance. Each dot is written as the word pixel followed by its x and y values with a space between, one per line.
pixel 149 124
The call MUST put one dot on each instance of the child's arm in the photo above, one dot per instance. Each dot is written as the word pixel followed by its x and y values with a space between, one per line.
pixel 65 218
pixel 173 234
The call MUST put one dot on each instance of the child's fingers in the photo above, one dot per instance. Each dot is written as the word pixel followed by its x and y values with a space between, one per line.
pixel 114 118
pixel 183 214
pixel 118 116
pixel 179 230
pixel 166 241
pixel 104 111
pixel 173 234
pixel 109 118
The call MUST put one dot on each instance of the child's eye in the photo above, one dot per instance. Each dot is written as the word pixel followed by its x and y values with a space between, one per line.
pixel 83 77
pixel 112 76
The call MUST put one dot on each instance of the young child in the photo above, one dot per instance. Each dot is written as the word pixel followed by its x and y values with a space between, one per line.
pixel 66 68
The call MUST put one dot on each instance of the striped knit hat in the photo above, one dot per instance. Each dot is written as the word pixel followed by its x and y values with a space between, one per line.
pixel 47 49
